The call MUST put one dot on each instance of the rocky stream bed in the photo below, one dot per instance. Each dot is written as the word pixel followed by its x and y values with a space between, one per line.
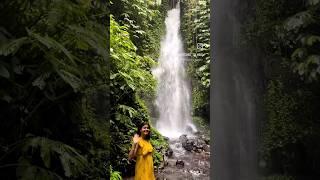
pixel 188 158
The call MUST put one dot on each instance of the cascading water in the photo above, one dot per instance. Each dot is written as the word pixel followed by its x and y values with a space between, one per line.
pixel 173 95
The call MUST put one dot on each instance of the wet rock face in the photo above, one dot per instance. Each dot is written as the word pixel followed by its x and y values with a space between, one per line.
pixel 186 143
pixel 189 145
pixel 205 139
pixel 169 152
pixel 195 144
pixel 183 138
pixel 206 148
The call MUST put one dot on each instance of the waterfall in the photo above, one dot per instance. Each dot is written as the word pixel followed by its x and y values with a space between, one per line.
pixel 173 93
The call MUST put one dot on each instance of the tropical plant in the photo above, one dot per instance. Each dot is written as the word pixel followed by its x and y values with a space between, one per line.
pixel 287 33
pixel 52 66
pixel 145 22
pixel 130 76
pixel 115 175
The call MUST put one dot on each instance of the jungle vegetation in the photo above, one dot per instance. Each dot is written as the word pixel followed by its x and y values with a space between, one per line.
pixel 75 81
pixel 287 34
pixel 54 95
pixel 195 29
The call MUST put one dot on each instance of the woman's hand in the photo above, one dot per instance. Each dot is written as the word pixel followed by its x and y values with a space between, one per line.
pixel 133 151
pixel 136 138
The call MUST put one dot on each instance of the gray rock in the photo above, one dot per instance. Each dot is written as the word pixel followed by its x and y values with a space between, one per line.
pixel 197 133
pixel 206 148
pixel 169 152
pixel 188 145
pixel 183 138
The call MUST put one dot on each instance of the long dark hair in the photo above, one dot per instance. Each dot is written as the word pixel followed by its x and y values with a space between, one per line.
pixel 140 127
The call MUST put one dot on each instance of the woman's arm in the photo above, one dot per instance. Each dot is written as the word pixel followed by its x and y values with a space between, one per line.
pixel 133 151
pixel 134 148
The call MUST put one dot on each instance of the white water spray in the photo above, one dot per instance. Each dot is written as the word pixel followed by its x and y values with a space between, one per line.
pixel 173 95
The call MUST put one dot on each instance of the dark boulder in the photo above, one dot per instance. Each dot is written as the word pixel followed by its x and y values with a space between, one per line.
pixel 183 138
pixel 179 163
pixel 169 152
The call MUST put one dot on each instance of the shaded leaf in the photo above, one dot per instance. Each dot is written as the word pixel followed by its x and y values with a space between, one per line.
pixel 4 72
pixel 12 46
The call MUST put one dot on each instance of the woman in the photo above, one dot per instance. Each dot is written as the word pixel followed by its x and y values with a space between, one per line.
pixel 142 150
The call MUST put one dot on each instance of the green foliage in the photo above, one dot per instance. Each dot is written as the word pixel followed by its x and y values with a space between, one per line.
pixel 196 32
pixel 282 128
pixel 287 34
pixel 128 68
pixel 131 81
pixel 70 161
pixel 145 22
pixel 160 145
pixel 200 101
pixel 114 175
pixel 52 65
pixel 157 158
pixel 202 125
pixel 292 33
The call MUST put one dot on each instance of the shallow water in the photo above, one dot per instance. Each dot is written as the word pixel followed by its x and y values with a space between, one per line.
pixel 196 165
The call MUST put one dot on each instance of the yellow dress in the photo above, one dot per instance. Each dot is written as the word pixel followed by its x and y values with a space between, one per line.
pixel 144 162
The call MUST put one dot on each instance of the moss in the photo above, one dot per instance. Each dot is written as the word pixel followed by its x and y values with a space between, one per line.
pixel 202 125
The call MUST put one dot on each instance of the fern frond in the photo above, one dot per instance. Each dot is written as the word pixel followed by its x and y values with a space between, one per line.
pixel 70 160
pixel 50 43
pixel 27 171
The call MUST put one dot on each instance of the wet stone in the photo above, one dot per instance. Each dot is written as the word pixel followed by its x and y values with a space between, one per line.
pixel 188 146
pixel 166 163
pixel 165 138
pixel 207 141
pixel 169 152
pixel 206 148
pixel 183 138
pixel 179 163
pixel 197 133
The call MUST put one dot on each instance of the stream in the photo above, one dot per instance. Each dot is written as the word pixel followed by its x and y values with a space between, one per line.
pixel 190 159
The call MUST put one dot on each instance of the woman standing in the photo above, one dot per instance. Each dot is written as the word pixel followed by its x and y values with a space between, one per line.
pixel 142 150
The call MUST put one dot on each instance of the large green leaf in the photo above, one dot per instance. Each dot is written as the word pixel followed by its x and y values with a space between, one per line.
pixel 312 2
pixel 27 171
pixel 299 20
pixel 4 72
pixel 12 46
pixel 51 43
pixel 70 160
pixel 71 79
pixel 299 53
pixel 310 40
